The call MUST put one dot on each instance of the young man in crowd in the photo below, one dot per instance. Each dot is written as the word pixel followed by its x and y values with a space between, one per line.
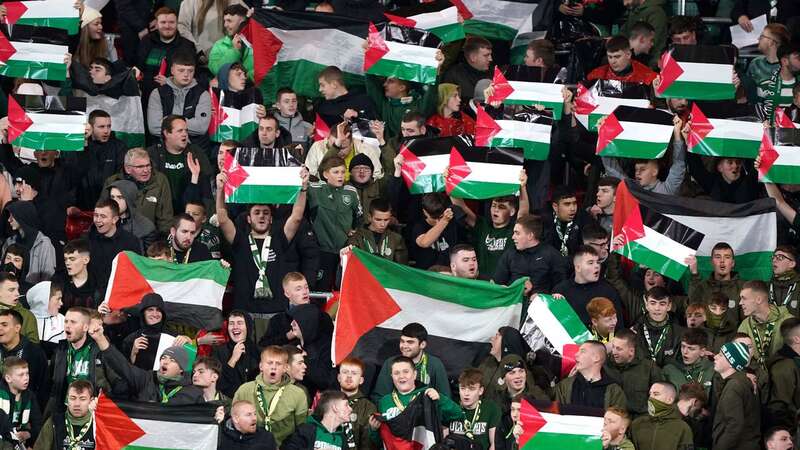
pixel 692 366
pixel 241 430
pixel 615 425
pixel 634 372
pixel 12 343
pixel 783 401
pixel 19 404
pixel 602 320
pixel 596 387
pixel 658 335
pixel 74 428
pixel 603 209
pixel 783 285
pixel 351 378
pixel 563 222
pixel 587 283
pixel 481 416
pixel 736 421
pixel 762 320
pixel 621 65
pixel 662 426
pixel 376 237
pixel 290 119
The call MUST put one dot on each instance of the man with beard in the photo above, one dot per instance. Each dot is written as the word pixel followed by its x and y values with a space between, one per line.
pixel 587 284
pixel 351 377
pixel 183 245
pixel 12 343
pixel 658 334
pixel 634 372
pixel 239 356
pixel 106 240
pixel 78 417
pixel 241 430
pixel 41 258
pixel 615 424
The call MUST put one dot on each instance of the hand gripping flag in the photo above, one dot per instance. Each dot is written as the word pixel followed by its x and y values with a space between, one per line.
pixel 532 138
pixel 47 123
pixel 546 95
pixel 397 60
pixel 556 321
pixel 629 132
pixel 481 173
pixel 547 431
pixel 233 114
pixel 598 101
pixel 723 137
pixel 250 181
pixel 60 14
pixel 37 53
pixel 697 72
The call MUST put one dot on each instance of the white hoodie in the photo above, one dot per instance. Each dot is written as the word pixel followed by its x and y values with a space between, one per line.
pixel 51 328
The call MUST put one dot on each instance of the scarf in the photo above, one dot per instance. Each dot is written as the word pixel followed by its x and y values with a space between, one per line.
pixel 658 409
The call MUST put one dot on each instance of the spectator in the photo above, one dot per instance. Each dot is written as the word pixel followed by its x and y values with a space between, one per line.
pixel 587 284
pixel 50 188
pixel 621 65
pixel 515 379
pixel 590 386
pixel 239 355
pixel 199 22
pixel 783 402
pixel 567 219
pixel 9 300
pixel 723 278
pixel 13 343
pixel 338 102
pixel 541 53
pixel 762 320
pixel 241 430
pixel 44 299
pixel 436 233
pixel 651 12
pixel 19 405
pixel 81 288
pixel 376 237
pixel 761 68
pixel 184 245
pixel 634 372
pixel 449 119
pixel 603 320
pixel 395 97
pixel 267 140
pixel 683 30
pixel 465 74
pixel 351 378
pixel 615 424
pixel 784 276
pixel 93 42
pixel 290 119
pixel 158 48
pixel 141 346
pixel 154 200
pixel 78 414
pixel 41 258
pixel 692 366
pixel 326 427
pixel 464 262
pixel 777 91
pixel 205 374
pixel 658 334
pixel 207 233
pixel 663 426
pixel 104 156
pixel 229 49
pixel 781 11
pixel 124 192
pixel 737 420
pixel 343 144
pixel 482 416
pixel 603 209
pixel 106 240
pixel 778 439
pixel 642 37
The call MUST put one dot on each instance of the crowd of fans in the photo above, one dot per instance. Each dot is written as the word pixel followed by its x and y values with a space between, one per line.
pixel 713 363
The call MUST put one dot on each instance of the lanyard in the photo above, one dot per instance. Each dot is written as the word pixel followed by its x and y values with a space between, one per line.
pixel 398 403
pixel 267 411
pixel 423 369
pixel 601 339
pixel 468 424
pixel 763 344
pixel 654 350
pixel 74 439
pixel 690 377
pixel 384 246
pixel 166 396
pixel 185 257
pixel 260 257
pixel 563 236
pixel 785 299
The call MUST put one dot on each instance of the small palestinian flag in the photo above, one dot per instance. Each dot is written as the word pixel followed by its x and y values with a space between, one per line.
pixel 532 138
pixel 402 61
pixel 501 20
pixel 723 137
pixel 119 97
pixel 697 72
pixel 560 325
pixel 321 129
pixel 442 23
pixel 544 431
pixel 548 95
pixel 479 173
pixel 249 183
pixel 44 13
pixel 128 425
pixel 417 427
pixel 630 132
pixel 30 53
pixel 291 48
pixel 779 163
pixel 192 292
pixel 425 161
pixel 233 115
pixel 590 106
pixel 47 123
pixel 782 119
pixel 379 297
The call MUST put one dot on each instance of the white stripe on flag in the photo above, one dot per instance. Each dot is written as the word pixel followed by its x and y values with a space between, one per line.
pixel 435 164
pixel 326 47
pixel 733 230
pixel 548 323
pixel 607 104
pixel 194 292
pixel 576 425
pixel 426 21
pixel 517 129
pixel 231 116
pixel 736 129
pixel 272 176
pixel 126 111
pixel 166 435
pixel 482 172
pixel 413 54
pixel 49 9
pixel 57 123
pixel 645 132
pixel 544 92
pixel 510 14
pixel 249 114
pixel 787 156
pixel 43 53
pixel 706 73
pixel 662 244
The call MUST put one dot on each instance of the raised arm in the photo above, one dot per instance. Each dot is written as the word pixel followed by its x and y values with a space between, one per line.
pixel 296 218
pixel 225 222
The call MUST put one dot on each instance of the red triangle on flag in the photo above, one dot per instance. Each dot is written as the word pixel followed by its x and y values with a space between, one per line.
pixel 767 155
pixel 403 21
pixel 485 127
pixel 412 166
pixel 531 421
pixel 700 127
pixel 162 68
pixel 568 354
pixel 218 114
pixel 363 305
pixel 127 285
pixel 265 48
pixel 782 120
pixel 458 170
pixel 585 102
pixel 610 129
pixel 628 217
pixel 7 49
pixel 321 129
pixel 465 13
pixel 113 428
pixel 670 71
pixel 236 174
pixel 18 120
pixel 500 86
pixel 14 11
pixel 376 47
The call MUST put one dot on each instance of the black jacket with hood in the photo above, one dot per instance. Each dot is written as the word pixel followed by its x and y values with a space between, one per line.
pixel 147 357
pixel 246 368
pixel 95 164
pixel 134 223
pixel 37 366
pixel 317 329
pixel 103 250
pixel 233 439
pixel 40 260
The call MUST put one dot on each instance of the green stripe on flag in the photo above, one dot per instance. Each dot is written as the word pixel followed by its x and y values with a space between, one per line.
pixel 533 150
pixel 544 440
pixel 749 266
pixel 165 272
pixel 489 30
pixel 65 23
pixel 565 314
pixel 782 174
pixel 225 132
pixel 34 70
pixel 517 55
pixel 623 148
pixel 38 140
pixel 424 184
pixel 404 71
pixel 697 90
pixel 130 139
pixel 730 148
pixel 301 76
pixel 654 260
pixel 480 190
pixel 258 193
pixel 448 33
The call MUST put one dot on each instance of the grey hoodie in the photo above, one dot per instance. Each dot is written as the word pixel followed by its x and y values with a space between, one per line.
pixel 135 223
pixel 41 259
pixel 299 129
pixel 198 125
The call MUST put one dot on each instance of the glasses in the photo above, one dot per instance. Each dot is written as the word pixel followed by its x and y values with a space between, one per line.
pixel 764 36
pixel 781 257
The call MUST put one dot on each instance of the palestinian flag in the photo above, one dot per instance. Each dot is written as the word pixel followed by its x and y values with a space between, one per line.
pixel 37 53
pixel 44 13
pixel 416 428
pixel 321 129
pixel 378 298
pixel 192 292
pixel 47 123
pixel 480 173
pixel 630 132
pixel 544 431
pixel 397 60
pixel 120 97
pixel 559 324
pixel 249 183
pixel 660 231
pixel 496 19
pixel 233 116
pixel 697 72
pixel 723 137
pixel 591 105
pixel 425 161
pixel 291 48
pixel 548 95
pixel 782 120
pixel 442 23
pixel 532 138
pixel 151 426
pixel 779 163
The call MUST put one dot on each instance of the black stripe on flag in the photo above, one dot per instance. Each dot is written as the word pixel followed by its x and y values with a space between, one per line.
pixel 620 89
pixel 421 8
pixel 38 35
pixel 239 100
pixel 290 20
pixel 411 36
pixel 786 136
pixel 709 54
pixel 670 228
pixel 199 414
pixel 121 84
pixel 437 146
pixel 68 106
pixel 642 115
pixel 494 155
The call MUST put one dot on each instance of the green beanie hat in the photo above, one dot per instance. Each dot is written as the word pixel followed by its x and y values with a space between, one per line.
pixel 737 355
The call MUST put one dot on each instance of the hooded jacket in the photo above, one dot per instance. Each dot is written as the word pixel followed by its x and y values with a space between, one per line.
pixel 785 291
pixel 37 365
pixel 104 249
pixel 51 327
pixel 542 263
pixel 702 371
pixel 316 327
pixel 154 199
pixel 783 400
pixel 246 367
pixel 613 395
pixel 41 258
pixel 147 357
pixel 290 412
pixel 635 377
pixel 135 223
pixel 664 431
pixel 298 129
pixel 580 294
pixel 736 422
pixel 233 439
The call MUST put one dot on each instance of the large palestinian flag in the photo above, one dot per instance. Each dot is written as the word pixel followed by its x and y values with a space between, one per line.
pixel 630 132
pixel 592 104
pixel 291 48
pixel 417 427
pixel 233 115
pixel 124 425
pixel 252 183
pixel 378 298
pixel 660 231
pixel 697 72
pixel 439 18
pixel 192 292
pixel 425 161
pixel 47 123
pixel 44 13
pixel 779 163
pixel 38 53
pixel 496 19
pixel 532 138
pixel 481 173
pixel 548 95
pixel 545 431
pixel 397 60
pixel 723 137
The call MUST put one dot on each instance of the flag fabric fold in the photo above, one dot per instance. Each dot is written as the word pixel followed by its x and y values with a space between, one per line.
pixel 630 132
pixel 416 428
pixel 47 123
pixel 532 138
pixel 541 430
pixel 547 95
pixel 697 72
pixel 408 62
pixel 38 53
pixel 424 162
pixel 252 182
pixel 233 116
pixel 779 163
pixel 592 104
pixel 723 137
pixel 443 23
pixel 496 19
pixel 192 292
pixel 782 120
pixel 481 173
pixel 60 14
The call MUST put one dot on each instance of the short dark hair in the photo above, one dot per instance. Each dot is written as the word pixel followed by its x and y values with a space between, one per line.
pixel 181 216
pixel 593 231
pixel 8 276
pixel 542 48
pixel 331 74
pixel 434 203
pixel 167 123
pixel 292 351
pixel 626 335
pixel 331 161
pixel 474 43
pixel 100 61
pixel 722 246
pixel 657 293
pixel 284 90
pixel 562 192
pixel 471 376
pixel 80 386
pixel 16 317
pixel 510 199
pixel 158 248
pixel 108 203
pixel 98 114
pixel 416 331
pixel 17 250
pixel 618 43
pixel 691 391
pixel 641 28
pixel 609 181
pixel 695 336
pixel 788 326
pixel 183 58
pixel 403 359
pixel 461 248
pixel 196 202
pixel 532 224
pixel 211 364
pixel 788 48
pixel 584 250
pixel 165 10
pixel 326 399
pixel 758 286
pixel 235 10
pixel 380 204
pixel 414 116
pixel 771 432
pixel 682 24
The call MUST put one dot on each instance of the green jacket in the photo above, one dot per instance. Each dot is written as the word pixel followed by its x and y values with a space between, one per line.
pixel 757 330
pixel 653 13
pixel 363 409
pixel 334 212
pixel 785 291
pixel 737 422
pixel 448 409
pixel 669 432
pixel 436 377
pixel 29 327
pixel 635 378
pixel 223 53
pixel 669 347
pixel 783 400
pixel 614 395
pixel 392 110
pixel 291 411
pixel 678 373
pixel 700 290
pixel 154 200
pixel 625 444
pixel 392 246
pixel 723 331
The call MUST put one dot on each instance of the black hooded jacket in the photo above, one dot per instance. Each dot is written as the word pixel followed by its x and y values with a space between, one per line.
pixel 233 439
pixel 103 250
pixel 246 367
pixel 147 357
